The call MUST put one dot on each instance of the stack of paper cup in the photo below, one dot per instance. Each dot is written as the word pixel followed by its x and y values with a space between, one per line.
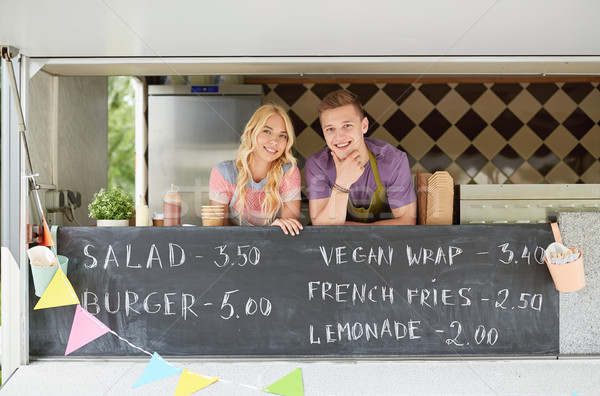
pixel 566 267
pixel 212 215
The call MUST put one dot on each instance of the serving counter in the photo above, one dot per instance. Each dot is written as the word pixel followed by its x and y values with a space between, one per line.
pixel 331 255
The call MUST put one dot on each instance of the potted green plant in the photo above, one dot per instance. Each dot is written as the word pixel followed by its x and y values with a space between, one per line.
pixel 113 207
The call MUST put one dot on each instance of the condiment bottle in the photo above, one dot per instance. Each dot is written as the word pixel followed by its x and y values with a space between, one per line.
pixel 142 213
pixel 172 206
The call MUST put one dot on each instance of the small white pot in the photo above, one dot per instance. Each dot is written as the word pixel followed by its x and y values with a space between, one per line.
pixel 112 223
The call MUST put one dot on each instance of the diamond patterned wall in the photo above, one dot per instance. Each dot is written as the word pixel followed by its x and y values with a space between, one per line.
pixel 483 133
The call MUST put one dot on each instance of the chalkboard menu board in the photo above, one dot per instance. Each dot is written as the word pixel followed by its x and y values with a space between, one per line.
pixel 366 291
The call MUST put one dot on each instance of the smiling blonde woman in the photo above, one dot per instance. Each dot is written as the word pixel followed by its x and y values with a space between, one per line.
pixel 262 185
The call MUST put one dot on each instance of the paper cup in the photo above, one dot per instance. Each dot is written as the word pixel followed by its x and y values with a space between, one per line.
pixel 212 210
pixel 221 215
pixel 43 275
pixel 212 221
pixel 568 277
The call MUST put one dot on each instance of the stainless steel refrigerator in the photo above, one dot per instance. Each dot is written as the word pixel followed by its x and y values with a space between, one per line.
pixel 190 129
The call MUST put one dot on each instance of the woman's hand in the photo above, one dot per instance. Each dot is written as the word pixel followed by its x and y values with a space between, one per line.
pixel 289 226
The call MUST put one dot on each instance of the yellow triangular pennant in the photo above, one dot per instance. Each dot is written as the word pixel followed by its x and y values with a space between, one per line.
pixel 58 293
pixel 190 382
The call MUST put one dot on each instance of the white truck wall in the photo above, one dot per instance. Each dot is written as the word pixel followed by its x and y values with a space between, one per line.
pixel 68 137
pixel 188 28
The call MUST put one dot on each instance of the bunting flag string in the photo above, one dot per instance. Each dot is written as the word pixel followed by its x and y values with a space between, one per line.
pixel 86 328
pixel 129 343
pixel 257 388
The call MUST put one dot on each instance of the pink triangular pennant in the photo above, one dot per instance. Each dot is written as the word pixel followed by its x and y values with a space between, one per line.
pixel 86 328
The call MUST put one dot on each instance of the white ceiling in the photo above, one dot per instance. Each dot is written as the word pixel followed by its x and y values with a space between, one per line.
pixel 269 33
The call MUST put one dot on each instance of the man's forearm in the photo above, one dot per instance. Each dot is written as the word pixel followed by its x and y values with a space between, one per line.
pixel 334 213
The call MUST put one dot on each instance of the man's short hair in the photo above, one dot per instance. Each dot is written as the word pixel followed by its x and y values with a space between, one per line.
pixel 339 98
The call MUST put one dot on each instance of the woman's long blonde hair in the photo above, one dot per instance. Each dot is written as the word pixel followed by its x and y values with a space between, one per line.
pixel 273 201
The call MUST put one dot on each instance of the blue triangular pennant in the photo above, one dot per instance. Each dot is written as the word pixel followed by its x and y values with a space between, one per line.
pixel 157 369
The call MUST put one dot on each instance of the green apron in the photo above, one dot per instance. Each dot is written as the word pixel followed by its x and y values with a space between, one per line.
pixel 378 209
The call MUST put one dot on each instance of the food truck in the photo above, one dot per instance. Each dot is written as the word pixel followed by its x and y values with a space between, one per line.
pixel 503 96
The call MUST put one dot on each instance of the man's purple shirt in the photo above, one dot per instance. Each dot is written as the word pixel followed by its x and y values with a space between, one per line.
pixel 394 172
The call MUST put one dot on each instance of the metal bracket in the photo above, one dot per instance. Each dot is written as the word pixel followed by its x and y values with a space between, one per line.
pixel 9 51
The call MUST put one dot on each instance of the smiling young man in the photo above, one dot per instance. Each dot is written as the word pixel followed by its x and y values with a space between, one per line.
pixel 356 180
